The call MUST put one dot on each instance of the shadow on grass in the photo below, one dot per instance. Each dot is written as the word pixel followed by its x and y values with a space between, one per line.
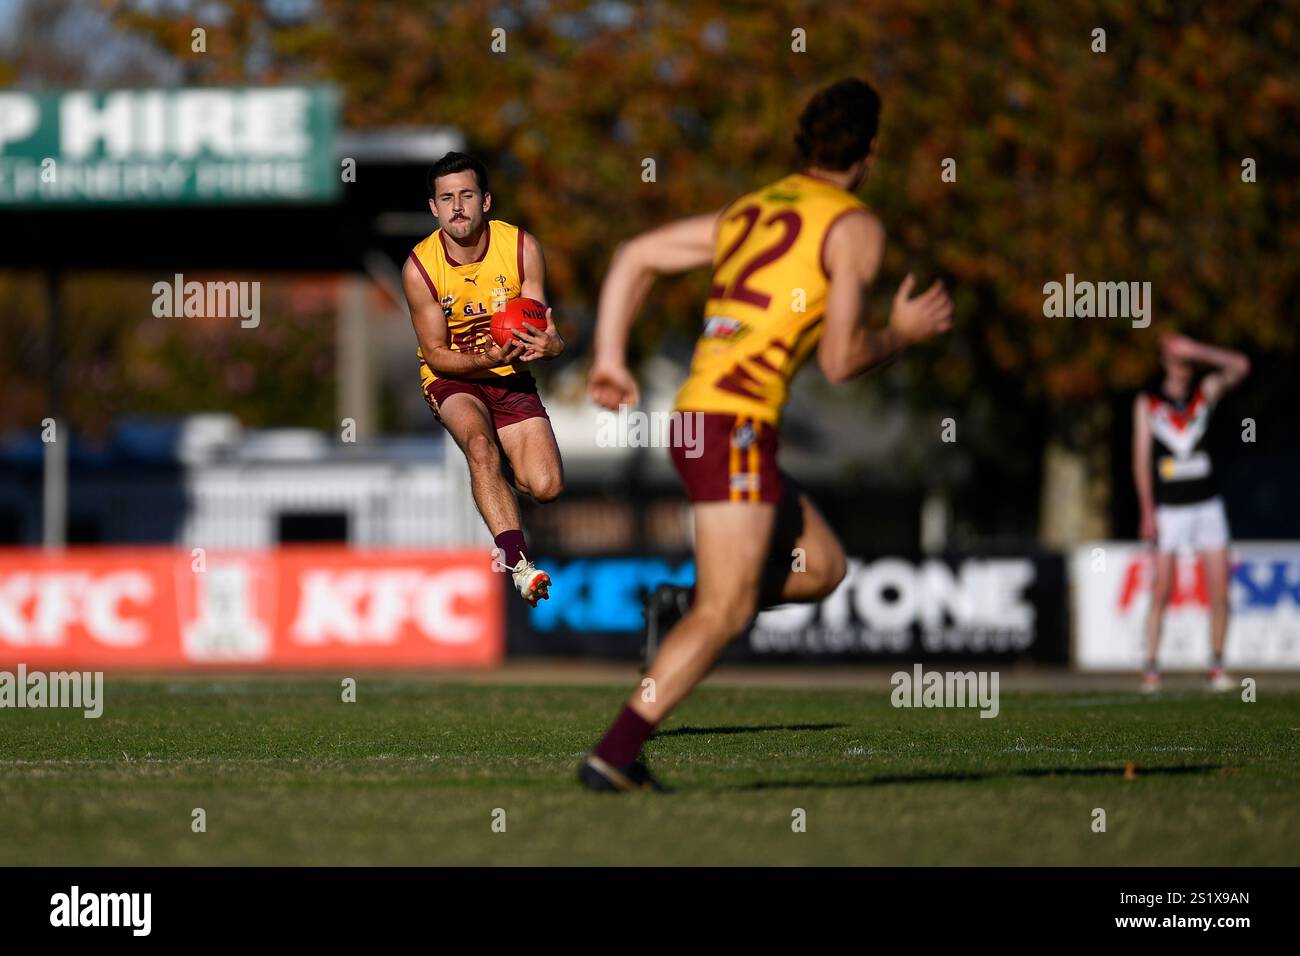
pixel 1119 771
pixel 761 728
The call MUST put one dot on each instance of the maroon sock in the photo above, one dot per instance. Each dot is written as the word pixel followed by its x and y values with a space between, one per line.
pixel 623 740
pixel 511 544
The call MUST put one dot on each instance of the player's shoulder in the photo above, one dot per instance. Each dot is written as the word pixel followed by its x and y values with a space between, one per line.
pixel 520 235
pixel 854 239
pixel 512 239
pixel 421 270
pixel 427 248
pixel 507 230
pixel 833 208
pixel 858 223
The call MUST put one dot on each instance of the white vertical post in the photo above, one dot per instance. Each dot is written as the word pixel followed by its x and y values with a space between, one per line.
pixel 54 485
pixel 352 359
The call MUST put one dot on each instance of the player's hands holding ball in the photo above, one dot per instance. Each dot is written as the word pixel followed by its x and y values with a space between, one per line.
pixel 523 331
pixel 491 355
pixel 539 343
pixel 610 385
pixel 921 318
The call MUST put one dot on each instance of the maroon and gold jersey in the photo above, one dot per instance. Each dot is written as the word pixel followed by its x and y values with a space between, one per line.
pixel 767 300
pixel 471 292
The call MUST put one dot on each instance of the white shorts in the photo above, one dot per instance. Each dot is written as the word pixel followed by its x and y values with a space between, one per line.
pixel 1202 526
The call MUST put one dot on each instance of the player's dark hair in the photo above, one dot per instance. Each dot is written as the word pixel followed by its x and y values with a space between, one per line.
pixel 838 124
pixel 455 162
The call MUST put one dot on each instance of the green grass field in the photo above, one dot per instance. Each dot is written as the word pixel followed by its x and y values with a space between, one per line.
pixel 412 772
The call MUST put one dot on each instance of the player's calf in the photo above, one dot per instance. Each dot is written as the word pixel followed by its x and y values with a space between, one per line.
pixel 804 580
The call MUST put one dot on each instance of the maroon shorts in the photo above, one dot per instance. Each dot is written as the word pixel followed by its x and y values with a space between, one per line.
pixel 509 398
pixel 728 458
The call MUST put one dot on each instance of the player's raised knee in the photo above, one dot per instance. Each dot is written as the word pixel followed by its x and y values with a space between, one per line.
pixel 546 488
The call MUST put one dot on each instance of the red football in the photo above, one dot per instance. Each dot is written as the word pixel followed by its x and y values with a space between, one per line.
pixel 517 313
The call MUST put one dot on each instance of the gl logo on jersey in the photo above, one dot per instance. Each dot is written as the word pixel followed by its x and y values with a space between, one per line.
pixel 471 311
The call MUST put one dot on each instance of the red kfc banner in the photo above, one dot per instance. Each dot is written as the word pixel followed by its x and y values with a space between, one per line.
pixel 295 608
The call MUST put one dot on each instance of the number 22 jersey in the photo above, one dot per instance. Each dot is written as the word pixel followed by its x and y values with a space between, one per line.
pixel 767 298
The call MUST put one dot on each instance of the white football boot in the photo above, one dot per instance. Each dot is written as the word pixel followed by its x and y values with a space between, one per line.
pixel 1218 681
pixel 533 584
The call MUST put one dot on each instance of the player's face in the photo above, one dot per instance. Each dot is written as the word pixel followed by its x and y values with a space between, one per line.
pixel 1177 370
pixel 459 204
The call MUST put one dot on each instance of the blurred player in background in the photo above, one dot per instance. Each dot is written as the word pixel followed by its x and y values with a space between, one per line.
pixel 1182 510
pixel 455 280
pixel 792 263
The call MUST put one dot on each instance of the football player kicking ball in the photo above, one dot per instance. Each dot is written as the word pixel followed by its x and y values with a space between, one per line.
pixel 804 232
pixel 455 280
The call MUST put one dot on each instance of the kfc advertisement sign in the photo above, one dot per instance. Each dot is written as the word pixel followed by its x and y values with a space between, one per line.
pixel 296 608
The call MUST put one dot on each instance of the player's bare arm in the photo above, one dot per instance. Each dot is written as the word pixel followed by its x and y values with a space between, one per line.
pixel 1230 368
pixel 676 247
pixel 430 324
pixel 538 343
pixel 854 249
pixel 1142 468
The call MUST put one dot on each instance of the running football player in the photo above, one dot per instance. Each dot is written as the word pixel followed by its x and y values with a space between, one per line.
pixel 791 265
pixel 1182 510
pixel 481 392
